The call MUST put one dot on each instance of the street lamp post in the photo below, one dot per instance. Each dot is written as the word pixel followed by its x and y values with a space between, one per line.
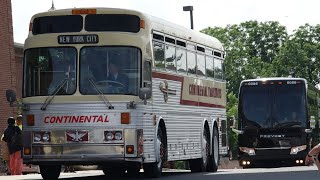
pixel 189 8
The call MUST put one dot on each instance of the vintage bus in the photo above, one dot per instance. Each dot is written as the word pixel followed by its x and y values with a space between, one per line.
pixel 123 90
pixel 274 121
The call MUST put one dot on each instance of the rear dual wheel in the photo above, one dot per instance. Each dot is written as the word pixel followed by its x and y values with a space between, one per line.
pixel 155 169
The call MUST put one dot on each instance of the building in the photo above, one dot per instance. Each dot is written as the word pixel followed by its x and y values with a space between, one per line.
pixel 10 64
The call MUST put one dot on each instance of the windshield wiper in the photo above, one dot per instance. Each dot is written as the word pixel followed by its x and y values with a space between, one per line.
pixel 52 94
pixel 102 96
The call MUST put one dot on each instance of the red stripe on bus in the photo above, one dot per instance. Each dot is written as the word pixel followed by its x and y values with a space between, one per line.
pixel 167 76
pixel 195 103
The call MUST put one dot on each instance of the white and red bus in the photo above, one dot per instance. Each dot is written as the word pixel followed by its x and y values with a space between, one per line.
pixel 165 102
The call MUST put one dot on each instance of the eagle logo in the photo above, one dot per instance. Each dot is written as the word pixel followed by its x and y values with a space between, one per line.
pixel 164 88
pixel 77 136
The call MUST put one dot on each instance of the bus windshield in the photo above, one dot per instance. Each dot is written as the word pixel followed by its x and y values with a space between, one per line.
pixel 47 68
pixel 276 106
pixel 110 70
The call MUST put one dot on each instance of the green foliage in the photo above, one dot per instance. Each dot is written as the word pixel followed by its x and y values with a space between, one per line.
pixel 232 110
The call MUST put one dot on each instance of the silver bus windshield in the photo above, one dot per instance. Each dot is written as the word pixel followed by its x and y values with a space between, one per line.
pixel 46 68
pixel 113 69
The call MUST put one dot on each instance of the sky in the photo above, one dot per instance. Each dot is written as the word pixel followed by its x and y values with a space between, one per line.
pixel 207 13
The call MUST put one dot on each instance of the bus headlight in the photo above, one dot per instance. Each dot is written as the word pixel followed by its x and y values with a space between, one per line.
pixel 41 136
pixel 118 136
pixel 249 151
pixel 295 150
pixel 46 137
pixel 109 136
pixel 36 137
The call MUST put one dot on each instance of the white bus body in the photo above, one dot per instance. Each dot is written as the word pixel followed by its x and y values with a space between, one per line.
pixel 184 119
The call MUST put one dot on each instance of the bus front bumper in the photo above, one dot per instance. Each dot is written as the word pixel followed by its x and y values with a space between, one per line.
pixel 78 154
pixel 272 155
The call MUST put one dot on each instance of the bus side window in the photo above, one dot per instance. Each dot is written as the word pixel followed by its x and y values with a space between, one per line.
pixel 191 62
pixel 147 74
pixel 170 56
pixel 181 60
pixel 158 51
pixel 209 67
pixel 217 69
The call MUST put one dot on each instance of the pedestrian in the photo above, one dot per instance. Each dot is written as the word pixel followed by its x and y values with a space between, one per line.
pixel 12 136
pixel 5 155
pixel 313 156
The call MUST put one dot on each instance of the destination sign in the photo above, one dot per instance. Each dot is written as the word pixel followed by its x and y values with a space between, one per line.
pixel 78 39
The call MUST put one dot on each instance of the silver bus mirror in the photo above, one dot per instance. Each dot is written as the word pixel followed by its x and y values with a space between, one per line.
pixel 144 94
pixel 11 96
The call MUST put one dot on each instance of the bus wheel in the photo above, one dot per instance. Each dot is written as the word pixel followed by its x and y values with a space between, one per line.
pixel 133 169
pixel 200 165
pixel 50 172
pixel 113 171
pixel 214 158
pixel 155 169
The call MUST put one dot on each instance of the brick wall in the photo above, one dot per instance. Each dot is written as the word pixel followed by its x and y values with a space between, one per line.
pixel 7 61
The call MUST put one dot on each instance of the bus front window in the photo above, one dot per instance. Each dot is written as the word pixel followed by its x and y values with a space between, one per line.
pixel 47 68
pixel 290 106
pixel 255 106
pixel 111 70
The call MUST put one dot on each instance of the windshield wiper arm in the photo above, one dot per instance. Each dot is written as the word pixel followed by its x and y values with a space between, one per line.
pixel 52 94
pixel 102 96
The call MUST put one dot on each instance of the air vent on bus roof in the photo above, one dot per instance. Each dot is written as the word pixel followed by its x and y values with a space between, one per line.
pixel 158 36
pixel 217 54
pixel 200 48
pixel 170 40
pixel 180 43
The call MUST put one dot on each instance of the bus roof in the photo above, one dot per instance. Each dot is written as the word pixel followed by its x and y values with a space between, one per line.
pixel 156 24
pixel 274 79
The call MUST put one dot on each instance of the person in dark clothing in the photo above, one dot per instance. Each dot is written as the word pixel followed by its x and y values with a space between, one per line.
pixel 115 75
pixel 11 135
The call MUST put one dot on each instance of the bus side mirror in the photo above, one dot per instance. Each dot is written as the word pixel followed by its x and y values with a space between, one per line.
pixel 312 122
pixel 144 94
pixel 232 122
pixel 11 96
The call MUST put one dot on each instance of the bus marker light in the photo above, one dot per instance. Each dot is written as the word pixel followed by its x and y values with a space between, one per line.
pixel 125 118
pixel 142 24
pixel 129 149
pixel 30 120
pixel 84 11
pixel 27 151
pixel 30 27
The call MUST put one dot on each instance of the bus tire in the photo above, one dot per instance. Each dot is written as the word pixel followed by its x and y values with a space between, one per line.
pixel 133 169
pixel 200 165
pixel 50 172
pixel 214 157
pixel 113 171
pixel 155 169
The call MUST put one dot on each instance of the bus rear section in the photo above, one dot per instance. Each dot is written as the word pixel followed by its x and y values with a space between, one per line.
pixel 273 122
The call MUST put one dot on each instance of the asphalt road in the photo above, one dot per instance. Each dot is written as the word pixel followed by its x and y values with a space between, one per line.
pixel 283 173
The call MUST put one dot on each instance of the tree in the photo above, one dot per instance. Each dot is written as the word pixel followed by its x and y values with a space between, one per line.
pixel 300 55
pixel 250 47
